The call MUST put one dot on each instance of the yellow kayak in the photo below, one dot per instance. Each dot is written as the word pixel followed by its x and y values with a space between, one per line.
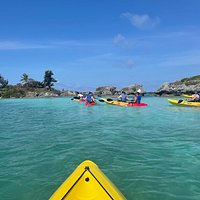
pixel 183 103
pixel 187 96
pixel 114 102
pixel 120 103
pixel 87 182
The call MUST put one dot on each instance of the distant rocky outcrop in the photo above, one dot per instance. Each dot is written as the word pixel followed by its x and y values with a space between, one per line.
pixel 106 90
pixel 33 90
pixel 112 90
pixel 68 93
pixel 53 93
pixel 21 91
pixel 133 89
pixel 186 86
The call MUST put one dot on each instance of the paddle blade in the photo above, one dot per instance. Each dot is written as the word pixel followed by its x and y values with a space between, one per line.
pixel 101 100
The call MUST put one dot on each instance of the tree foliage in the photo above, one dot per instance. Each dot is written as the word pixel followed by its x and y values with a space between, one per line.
pixel 3 82
pixel 24 78
pixel 13 92
pixel 48 79
pixel 193 78
pixel 34 84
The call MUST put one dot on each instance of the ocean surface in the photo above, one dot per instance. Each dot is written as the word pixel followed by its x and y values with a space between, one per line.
pixel 149 153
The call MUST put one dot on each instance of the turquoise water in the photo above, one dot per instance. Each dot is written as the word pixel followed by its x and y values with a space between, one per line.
pixel 150 153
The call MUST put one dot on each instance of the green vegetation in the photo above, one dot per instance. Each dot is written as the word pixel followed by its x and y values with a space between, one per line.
pixel 27 86
pixel 193 78
pixel 13 92
pixel 48 79
pixel 24 78
pixel 3 82
pixel 191 81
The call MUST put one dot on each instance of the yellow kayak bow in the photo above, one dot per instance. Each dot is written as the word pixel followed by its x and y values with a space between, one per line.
pixel 87 182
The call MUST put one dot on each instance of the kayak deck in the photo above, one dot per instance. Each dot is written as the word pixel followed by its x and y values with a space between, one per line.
pixel 120 103
pixel 87 182
pixel 183 103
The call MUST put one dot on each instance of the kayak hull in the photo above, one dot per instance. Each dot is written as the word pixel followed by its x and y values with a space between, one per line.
pixel 184 103
pixel 137 104
pixel 87 182
pixel 90 104
pixel 120 103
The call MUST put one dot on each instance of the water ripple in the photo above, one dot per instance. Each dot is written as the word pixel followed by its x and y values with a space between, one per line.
pixel 149 153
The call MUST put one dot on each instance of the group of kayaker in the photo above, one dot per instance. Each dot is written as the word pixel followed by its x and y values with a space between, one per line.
pixel 124 98
pixel 89 97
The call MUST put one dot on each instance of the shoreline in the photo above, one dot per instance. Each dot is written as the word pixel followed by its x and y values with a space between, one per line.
pixel 96 96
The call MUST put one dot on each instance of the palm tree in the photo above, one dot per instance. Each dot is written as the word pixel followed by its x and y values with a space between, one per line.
pixel 24 78
pixel 48 79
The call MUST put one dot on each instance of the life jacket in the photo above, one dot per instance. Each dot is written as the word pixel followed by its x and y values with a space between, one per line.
pixel 123 97
pixel 138 99
pixel 89 98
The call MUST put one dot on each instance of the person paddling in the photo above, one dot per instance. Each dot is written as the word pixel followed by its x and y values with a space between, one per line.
pixel 79 95
pixel 137 98
pixel 195 97
pixel 89 97
pixel 122 97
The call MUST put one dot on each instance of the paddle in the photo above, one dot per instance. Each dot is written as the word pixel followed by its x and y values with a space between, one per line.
pixel 75 98
pixel 101 100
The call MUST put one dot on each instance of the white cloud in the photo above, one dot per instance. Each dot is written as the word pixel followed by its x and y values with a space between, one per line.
pixel 21 45
pixel 130 64
pixel 141 21
pixel 120 40
pixel 13 45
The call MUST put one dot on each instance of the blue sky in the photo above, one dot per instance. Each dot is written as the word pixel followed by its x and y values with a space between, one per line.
pixel 89 43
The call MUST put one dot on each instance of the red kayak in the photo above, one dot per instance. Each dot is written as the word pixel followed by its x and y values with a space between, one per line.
pixel 136 104
pixel 82 100
pixel 90 104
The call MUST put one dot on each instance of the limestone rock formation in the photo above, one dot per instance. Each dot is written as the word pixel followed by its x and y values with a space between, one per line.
pixel 186 86
pixel 133 89
pixel 106 90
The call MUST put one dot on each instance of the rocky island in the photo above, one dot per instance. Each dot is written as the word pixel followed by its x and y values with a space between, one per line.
pixel 184 86
pixel 30 88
